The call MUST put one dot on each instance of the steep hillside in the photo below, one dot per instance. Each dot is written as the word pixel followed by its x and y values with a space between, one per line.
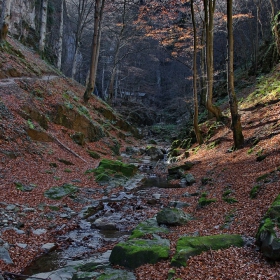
pixel 48 138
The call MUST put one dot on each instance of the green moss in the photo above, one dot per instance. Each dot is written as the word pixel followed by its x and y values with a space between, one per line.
pixel 230 200
pixel 137 252
pixel 254 191
pixel 93 154
pixel 262 177
pixel 188 246
pixel 57 193
pixel 149 226
pixel 203 201
pixel 267 225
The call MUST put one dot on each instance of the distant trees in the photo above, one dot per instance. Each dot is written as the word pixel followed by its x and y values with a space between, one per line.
pixel 5 19
pixel 81 17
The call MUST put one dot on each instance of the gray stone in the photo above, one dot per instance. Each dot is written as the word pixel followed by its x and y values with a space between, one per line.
pixel 172 217
pixel 22 245
pixel 49 246
pixel 105 224
pixel 5 256
pixel 11 207
pixel 39 231
pixel 178 204
pixel 189 179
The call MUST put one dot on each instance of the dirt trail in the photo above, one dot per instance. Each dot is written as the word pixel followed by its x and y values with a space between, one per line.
pixel 12 81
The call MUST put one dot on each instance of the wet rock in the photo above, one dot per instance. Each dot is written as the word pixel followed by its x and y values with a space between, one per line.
pixel 155 153
pixel 172 217
pixel 5 256
pixel 105 224
pixel 178 204
pixel 188 246
pixel 136 252
pixel 116 274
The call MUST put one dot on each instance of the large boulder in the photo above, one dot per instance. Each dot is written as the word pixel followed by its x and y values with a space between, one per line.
pixel 108 169
pixel 267 236
pixel 172 217
pixel 154 152
pixel 136 252
pixel 149 226
pixel 188 246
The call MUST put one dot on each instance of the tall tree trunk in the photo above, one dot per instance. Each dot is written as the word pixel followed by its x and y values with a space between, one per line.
pixel 60 41
pixel 43 29
pixel 199 138
pixel 233 104
pixel 116 58
pixel 203 88
pixel 272 4
pixel 5 19
pixel 98 13
pixel 75 62
pixel 209 8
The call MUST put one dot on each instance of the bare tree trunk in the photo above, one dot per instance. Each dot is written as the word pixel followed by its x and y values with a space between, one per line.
pixel 99 6
pixel 60 41
pixel 195 117
pixel 5 20
pixel 233 104
pixel 43 28
pixel 203 89
pixel 75 62
pixel 272 4
pixel 116 58
pixel 209 8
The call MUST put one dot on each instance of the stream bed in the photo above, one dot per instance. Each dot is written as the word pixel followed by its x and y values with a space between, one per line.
pixel 100 227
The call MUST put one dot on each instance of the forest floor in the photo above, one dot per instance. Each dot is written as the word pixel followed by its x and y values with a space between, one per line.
pixel 30 163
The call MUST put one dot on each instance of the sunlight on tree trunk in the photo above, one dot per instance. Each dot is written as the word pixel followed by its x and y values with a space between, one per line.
pixel 209 8
pixel 235 117
pixel 195 117
pixel 43 28
pixel 60 41
pixel 99 6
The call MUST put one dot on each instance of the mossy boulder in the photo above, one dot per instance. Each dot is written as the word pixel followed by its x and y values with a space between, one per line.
pixel 109 169
pixel 172 217
pixel 154 152
pixel 149 226
pixel 267 236
pixel 188 246
pixel 57 193
pixel 175 169
pixel 136 252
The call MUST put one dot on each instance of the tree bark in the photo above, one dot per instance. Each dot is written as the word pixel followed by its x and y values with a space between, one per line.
pixel 98 13
pixel 209 8
pixel 199 138
pixel 233 104
pixel 60 41
pixel 43 28
pixel 116 58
